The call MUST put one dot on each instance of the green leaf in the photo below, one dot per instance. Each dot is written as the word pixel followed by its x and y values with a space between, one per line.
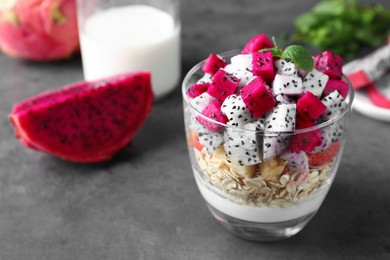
pixel 300 56
pixel 276 51
pixel 342 26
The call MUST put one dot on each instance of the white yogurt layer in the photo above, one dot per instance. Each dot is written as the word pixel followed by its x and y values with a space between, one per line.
pixel 253 213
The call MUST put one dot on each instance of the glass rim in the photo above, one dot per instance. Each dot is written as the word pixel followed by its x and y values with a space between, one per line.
pixel 198 66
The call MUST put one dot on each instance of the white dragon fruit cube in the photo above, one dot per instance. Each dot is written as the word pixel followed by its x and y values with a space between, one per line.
pixel 282 118
pixel 287 85
pixel 209 140
pixel 299 163
pixel 207 78
pixel 335 105
pixel 258 124
pixel 284 99
pixel 315 82
pixel 285 67
pixel 329 135
pixel 296 162
pixel 241 146
pixel 202 101
pixel 274 145
pixel 242 74
pixel 236 111
pixel 242 62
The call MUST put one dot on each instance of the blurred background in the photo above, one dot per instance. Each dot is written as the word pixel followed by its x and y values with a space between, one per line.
pixel 144 203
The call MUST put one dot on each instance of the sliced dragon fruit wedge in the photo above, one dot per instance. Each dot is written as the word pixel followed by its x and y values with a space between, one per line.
pixel 223 85
pixel 236 111
pixel 315 82
pixel 263 65
pixel 213 63
pixel 258 97
pixel 85 121
pixel 287 85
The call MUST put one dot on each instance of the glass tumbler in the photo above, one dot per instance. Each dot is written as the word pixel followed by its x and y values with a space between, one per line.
pixel 272 199
pixel 120 36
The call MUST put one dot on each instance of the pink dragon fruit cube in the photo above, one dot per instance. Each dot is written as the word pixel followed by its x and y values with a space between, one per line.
pixel 263 65
pixel 258 97
pixel 197 89
pixel 336 84
pixel 309 107
pixel 213 63
pixel 257 43
pixel 329 63
pixel 223 85
pixel 213 111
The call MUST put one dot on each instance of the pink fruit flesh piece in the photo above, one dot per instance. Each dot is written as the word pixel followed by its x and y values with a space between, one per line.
pixel 258 97
pixel 213 111
pixel 336 84
pixel 263 65
pixel 40 30
pixel 309 107
pixel 305 141
pixel 213 63
pixel 257 43
pixel 329 63
pixel 301 123
pixel 359 79
pixel 86 121
pixel 223 85
pixel 197 89
pixel 377 98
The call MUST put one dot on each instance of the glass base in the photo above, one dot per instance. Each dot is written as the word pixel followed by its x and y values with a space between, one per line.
pixel 262 232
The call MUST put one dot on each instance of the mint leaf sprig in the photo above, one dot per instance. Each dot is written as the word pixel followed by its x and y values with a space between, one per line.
pixel 296 53
pixel 346 27
pixel 300 56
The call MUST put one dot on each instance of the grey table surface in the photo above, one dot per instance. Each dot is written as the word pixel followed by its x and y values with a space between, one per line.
pixel 144 204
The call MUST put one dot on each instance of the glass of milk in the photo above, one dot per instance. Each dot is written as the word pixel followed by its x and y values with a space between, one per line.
pixel 119 36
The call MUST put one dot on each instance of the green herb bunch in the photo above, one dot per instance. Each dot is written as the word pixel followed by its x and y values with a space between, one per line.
pixel 343 26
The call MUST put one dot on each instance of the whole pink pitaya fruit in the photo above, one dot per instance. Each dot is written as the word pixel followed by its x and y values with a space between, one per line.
pixel 40 30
